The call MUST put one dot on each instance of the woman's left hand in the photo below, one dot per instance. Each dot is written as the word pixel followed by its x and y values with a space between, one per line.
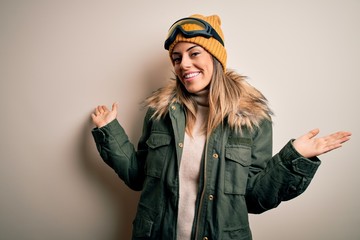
pixel 309 146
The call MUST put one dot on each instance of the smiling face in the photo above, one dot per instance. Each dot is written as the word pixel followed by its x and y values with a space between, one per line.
pixel 193 65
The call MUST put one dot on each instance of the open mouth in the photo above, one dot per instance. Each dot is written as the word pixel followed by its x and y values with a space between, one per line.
pixel 191 75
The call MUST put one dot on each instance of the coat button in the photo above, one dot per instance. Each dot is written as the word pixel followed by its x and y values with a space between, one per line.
pixel 205 238
pixel 173 107
pixel 215 155
pixel 211 197
pixel 181 145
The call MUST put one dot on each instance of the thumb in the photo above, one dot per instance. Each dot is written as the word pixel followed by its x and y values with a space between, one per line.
pixel 114 107
pixel 313 133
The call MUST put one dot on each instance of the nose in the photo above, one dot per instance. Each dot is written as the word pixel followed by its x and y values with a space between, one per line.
pixel 185 62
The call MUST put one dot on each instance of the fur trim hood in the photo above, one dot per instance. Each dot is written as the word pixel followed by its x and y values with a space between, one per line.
pixel 252 107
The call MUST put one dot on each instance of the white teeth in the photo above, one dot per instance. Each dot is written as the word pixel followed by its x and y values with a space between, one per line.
pixel 190 75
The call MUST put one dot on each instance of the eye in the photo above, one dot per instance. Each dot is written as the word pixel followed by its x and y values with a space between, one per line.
pixel 194 54
pixel 176 60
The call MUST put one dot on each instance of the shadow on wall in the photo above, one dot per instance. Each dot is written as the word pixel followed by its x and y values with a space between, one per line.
pixel 103 176
pixel 154 76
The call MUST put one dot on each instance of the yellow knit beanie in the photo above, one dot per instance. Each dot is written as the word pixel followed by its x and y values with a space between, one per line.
pixel 213 46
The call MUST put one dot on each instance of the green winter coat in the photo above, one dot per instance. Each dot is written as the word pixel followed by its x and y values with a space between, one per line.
pixel 238 176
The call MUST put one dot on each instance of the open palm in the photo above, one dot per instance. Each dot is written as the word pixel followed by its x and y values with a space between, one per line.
pixel 310 146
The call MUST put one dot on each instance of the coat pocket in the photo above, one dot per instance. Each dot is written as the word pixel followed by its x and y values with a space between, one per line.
pixel 145 222
pixel 159 148
pixel 239 233
pixel 142 228
pixel 237 162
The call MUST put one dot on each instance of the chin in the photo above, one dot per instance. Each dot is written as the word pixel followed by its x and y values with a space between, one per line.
pixel 192 90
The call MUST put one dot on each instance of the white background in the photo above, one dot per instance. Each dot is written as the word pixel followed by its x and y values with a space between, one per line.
pixel 59 59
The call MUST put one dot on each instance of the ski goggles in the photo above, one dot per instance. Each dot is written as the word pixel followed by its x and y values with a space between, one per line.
pixel 203 29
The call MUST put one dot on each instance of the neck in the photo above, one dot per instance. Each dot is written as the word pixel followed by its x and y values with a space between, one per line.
pixel 202 97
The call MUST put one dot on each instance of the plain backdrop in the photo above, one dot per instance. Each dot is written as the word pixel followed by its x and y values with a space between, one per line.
pixel 60 59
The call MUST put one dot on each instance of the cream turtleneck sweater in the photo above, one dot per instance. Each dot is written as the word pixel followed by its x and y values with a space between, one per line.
pixel 189 171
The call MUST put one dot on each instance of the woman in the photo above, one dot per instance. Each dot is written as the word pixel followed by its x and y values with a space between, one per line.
pixel 204 160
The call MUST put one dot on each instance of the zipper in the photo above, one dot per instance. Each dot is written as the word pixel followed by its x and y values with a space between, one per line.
pixel 202 193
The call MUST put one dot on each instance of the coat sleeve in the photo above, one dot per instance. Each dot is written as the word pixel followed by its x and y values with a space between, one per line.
pixel 119 153
pixel 273 179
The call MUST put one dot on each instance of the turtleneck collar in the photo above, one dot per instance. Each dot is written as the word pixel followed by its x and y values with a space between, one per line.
pixel 202 97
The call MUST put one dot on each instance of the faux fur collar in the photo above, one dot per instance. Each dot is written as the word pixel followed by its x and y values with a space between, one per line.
pixel 252 106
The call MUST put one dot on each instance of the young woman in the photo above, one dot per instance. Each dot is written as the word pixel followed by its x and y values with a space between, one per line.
pixel 204 160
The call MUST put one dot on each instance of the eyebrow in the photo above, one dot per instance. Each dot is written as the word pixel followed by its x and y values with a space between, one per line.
pixel 187 50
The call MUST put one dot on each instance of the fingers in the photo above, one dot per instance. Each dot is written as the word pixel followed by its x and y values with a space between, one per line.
pixel 344 135
pixel 103 109
pixel 93 117
pixel 340 137
pixel 308 145
pixel 100 110
pixel 335 140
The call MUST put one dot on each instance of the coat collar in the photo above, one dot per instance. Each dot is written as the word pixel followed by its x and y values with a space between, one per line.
pixel 251 110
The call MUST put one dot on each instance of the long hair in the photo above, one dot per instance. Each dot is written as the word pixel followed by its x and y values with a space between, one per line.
pixel 231 99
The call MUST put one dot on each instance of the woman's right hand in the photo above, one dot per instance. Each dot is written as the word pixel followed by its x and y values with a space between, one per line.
pixel 102 115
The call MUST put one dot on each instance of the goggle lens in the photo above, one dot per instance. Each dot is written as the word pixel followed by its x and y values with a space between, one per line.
pixel 198 28
pixel 183 24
